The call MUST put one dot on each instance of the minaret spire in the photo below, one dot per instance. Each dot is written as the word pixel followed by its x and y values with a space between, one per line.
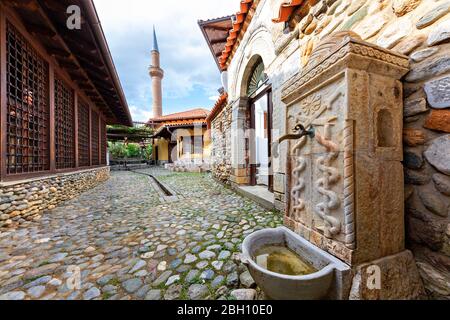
pixel 157 74
pixel 155 40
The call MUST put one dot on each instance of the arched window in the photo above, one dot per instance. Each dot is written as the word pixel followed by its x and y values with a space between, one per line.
pixel 257 78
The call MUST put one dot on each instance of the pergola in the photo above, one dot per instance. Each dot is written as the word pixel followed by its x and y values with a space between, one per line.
pixel 138 133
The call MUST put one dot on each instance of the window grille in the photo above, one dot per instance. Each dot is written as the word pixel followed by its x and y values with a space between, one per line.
pixel 28 113
pixel 94 139
pixel 83 134
pixel 64 126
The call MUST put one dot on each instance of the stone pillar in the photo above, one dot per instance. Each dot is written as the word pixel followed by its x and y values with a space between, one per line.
pixel 345 184
pixel 240 173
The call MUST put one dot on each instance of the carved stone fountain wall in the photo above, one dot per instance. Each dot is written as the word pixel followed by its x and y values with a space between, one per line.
pixel 345 185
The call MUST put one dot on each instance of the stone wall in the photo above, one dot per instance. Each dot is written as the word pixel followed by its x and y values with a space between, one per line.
pixel 221 140
pixel 25 201
pixel 419 29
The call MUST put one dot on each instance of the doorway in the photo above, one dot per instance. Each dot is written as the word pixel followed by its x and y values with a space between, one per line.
pixel 261 139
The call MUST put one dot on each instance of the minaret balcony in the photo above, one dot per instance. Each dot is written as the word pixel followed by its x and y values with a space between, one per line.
pixel 156 72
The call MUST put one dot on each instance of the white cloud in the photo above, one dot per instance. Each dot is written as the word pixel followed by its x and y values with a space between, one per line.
pixel 188 64
pixel 140 115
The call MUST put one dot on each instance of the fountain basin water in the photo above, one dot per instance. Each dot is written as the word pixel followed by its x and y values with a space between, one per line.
pixel 331 281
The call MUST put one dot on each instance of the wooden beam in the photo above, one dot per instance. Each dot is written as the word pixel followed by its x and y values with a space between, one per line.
pixel 97 64
pixel 76 43
pixel 55 6
pixel 227 29
pixel 86 87
pixel 40 30
pixel 215 41
pixel 58 52
pixel 97 76
pixel 24 4
pixel 66 64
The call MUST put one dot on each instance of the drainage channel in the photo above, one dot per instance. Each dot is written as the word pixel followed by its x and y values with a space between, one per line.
pixel 166 194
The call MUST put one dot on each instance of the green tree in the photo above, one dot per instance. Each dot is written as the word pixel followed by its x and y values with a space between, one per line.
pixel 133 150
pixel 117 150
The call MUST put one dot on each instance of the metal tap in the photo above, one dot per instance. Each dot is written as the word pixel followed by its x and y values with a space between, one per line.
pixel 302 132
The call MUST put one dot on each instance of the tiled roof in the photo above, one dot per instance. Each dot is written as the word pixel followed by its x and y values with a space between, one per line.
pixel 177 124
pixel 221 102
pixel 198 113
pixel 238 23
pixel 286 10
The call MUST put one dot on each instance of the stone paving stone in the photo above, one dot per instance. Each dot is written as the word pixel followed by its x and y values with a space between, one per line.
pixel 127 243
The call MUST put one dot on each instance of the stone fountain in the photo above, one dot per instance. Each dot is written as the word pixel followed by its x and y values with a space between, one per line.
pixel 345 178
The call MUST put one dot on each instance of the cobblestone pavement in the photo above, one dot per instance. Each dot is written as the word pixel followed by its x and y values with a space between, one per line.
pixel 121 241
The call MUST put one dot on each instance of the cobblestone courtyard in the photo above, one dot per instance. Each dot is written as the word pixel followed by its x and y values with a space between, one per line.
pixel 127 243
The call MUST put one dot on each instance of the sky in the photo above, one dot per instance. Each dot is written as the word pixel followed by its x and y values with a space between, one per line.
pixel 191 75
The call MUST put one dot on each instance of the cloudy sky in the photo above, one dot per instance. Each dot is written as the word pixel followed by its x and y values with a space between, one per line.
pixel 191 75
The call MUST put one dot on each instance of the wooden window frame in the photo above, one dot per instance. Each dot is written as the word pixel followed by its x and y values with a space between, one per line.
pixel 7 15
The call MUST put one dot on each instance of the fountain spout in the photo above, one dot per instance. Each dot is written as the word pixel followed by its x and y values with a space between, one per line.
pixel 302 132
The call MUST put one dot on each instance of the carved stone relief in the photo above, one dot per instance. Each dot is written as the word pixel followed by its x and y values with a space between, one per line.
pixel 316 160
pixel 345 184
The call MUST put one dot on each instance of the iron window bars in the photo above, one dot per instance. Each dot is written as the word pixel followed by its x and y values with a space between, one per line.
pixel 28 113
pixel 83 134
pixel 94 139
pixel 64 125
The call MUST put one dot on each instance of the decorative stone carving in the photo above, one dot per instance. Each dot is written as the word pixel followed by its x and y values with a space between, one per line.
pixel 350 95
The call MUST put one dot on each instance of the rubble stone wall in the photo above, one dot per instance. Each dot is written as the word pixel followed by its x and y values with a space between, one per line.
pixel 27 200
pixel 221 150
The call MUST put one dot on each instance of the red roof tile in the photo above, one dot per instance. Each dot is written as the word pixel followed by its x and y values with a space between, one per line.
pixel 221 102
pixel 286 10
pixel 198 113
pixel 234 33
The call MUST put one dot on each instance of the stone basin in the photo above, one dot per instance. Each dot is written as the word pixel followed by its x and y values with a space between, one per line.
pixel 331 281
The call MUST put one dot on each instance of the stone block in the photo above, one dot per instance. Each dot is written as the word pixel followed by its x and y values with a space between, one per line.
pixel 438 120
pixel 390 278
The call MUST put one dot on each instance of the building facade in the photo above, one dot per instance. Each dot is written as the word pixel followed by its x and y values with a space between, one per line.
pixel 272 41
pixel 59 90
pixel 181 139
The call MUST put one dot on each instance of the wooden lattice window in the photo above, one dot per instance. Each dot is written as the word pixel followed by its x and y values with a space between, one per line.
pixel 83 135
pixel 64 125
pixel 104 142
pixel 94 139
pixel 28 113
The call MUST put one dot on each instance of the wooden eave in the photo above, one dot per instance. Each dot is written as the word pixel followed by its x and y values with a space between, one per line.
pixel 84 53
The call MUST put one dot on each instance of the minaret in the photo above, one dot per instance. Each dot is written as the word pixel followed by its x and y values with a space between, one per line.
pixel 157 75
